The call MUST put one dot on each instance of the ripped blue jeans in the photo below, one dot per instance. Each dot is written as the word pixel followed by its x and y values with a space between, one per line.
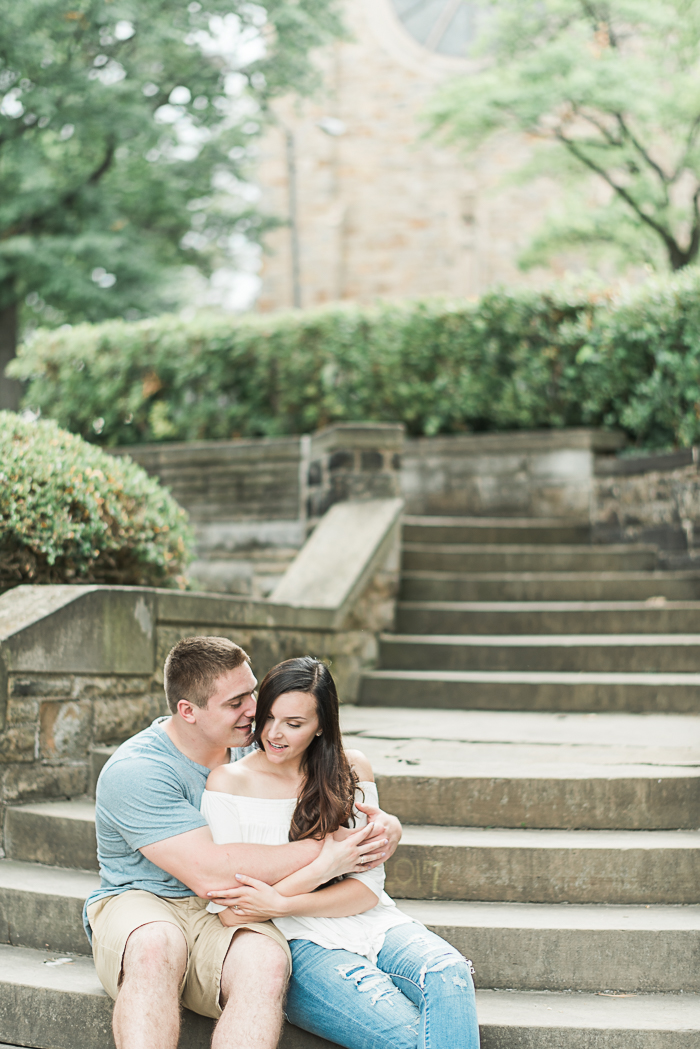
pixel 419 995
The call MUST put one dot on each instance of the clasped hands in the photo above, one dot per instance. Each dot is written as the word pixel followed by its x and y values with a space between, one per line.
pixel 346 851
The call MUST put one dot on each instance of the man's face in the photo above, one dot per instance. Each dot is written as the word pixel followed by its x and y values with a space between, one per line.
pixel 228 716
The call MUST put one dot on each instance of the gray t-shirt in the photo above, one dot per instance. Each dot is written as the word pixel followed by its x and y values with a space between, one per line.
pixel 148 791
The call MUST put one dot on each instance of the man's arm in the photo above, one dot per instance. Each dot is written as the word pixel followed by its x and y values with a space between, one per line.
pixel 194 859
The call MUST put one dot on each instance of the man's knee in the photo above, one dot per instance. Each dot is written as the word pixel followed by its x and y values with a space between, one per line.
pixel 155 953
pixel 257 962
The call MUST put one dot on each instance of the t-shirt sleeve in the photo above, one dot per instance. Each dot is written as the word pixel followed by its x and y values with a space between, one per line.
pixel 145 802
pixel 374 879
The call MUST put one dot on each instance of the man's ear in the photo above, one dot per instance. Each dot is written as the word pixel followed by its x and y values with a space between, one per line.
pixel 186 710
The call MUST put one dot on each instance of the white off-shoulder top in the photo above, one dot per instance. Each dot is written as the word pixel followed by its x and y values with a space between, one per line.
pixel 266 821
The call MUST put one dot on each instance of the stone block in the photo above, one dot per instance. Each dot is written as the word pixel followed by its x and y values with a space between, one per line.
pixel 114 720
pixel 110 685
pixel 57 630
pixel 22 710
pixel 315 474
pixel 65 730
pixel 341 460
pixel 24 782
pixel 41 685
pixel 18 743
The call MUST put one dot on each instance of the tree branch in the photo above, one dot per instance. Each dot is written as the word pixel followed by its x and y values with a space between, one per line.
pixel 631 137
pixel 601 127
pixel 30 224
pixel 694 244
pixel 676 255
pixel 690 142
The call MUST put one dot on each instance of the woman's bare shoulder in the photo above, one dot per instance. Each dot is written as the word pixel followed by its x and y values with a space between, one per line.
pixel 361 765
pixel 233 778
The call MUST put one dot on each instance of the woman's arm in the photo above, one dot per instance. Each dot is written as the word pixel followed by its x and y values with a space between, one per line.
pixel 257 902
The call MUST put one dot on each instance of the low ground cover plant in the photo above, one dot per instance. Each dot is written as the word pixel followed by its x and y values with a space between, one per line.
pixel 568 356
pixel 72 513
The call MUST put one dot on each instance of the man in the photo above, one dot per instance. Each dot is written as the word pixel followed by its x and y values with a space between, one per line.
pixel 153 941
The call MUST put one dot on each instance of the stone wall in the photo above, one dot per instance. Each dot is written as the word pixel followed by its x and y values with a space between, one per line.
pixel 252 502
pixel 651 499
pixel 546 473
pixel 81 666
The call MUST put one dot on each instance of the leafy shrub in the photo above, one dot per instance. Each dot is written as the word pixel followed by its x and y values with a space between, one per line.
pixel 511 360
pixel 72 513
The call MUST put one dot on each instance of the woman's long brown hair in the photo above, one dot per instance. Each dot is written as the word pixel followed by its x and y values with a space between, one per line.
pixel 328 792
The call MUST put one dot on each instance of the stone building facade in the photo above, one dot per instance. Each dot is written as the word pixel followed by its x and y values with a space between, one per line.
pixel 378 209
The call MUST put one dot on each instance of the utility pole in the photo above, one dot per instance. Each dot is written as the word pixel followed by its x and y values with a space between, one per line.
pixel 293 217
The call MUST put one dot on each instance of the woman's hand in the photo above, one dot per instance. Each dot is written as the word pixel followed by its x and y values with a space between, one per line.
pixel 251 901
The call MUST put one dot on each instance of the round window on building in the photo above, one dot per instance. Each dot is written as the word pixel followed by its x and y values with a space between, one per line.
pixel 446 27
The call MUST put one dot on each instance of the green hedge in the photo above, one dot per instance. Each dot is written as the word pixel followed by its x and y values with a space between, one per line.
pixel 72 513
pixel 511 360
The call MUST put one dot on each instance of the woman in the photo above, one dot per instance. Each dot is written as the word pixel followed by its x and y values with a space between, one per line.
pixel 301 783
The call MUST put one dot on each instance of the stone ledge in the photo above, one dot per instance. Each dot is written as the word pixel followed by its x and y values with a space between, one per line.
pixel 516 442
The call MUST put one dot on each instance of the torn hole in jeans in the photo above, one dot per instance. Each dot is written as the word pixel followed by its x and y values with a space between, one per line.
pixel 369 980
pixel 439 957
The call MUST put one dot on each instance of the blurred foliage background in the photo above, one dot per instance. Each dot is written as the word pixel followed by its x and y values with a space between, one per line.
pixel 126 129
pixel 520 359
pixel 609 92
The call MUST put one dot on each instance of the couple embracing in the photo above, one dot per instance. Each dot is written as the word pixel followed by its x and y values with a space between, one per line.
pixel 241 858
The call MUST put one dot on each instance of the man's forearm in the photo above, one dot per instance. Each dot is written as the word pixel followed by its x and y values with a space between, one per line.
pixel 204 866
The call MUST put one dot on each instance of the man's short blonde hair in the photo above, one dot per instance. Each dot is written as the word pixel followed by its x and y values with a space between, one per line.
pixel 195 664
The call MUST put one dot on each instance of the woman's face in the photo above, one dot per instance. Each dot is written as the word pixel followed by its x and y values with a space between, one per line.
pixel 290 727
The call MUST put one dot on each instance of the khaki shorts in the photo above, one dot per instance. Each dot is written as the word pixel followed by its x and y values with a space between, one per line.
pixel 114 918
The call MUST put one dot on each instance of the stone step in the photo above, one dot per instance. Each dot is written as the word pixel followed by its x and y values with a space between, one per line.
pixel 455 557
pixel 532 690
pixel 485 768
pixel 548 617
pixel 509 865
pixel 55 833
pixel 589 947
pixel 604 653
pixel 546 866
pixel 64 1007
pixel 549 586
pixel 41 906
pixel 536 946
pixel 501 530
pixel 515 769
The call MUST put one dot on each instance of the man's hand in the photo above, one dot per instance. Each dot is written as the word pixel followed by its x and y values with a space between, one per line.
pixel 386 836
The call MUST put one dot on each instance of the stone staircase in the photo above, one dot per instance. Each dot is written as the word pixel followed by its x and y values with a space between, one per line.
pixel 533 722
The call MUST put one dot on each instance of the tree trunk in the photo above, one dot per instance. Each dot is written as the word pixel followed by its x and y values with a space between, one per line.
pixel 10 389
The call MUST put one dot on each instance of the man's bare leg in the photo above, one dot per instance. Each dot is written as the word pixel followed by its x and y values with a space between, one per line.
pixel 253 986
pixel 147 1010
